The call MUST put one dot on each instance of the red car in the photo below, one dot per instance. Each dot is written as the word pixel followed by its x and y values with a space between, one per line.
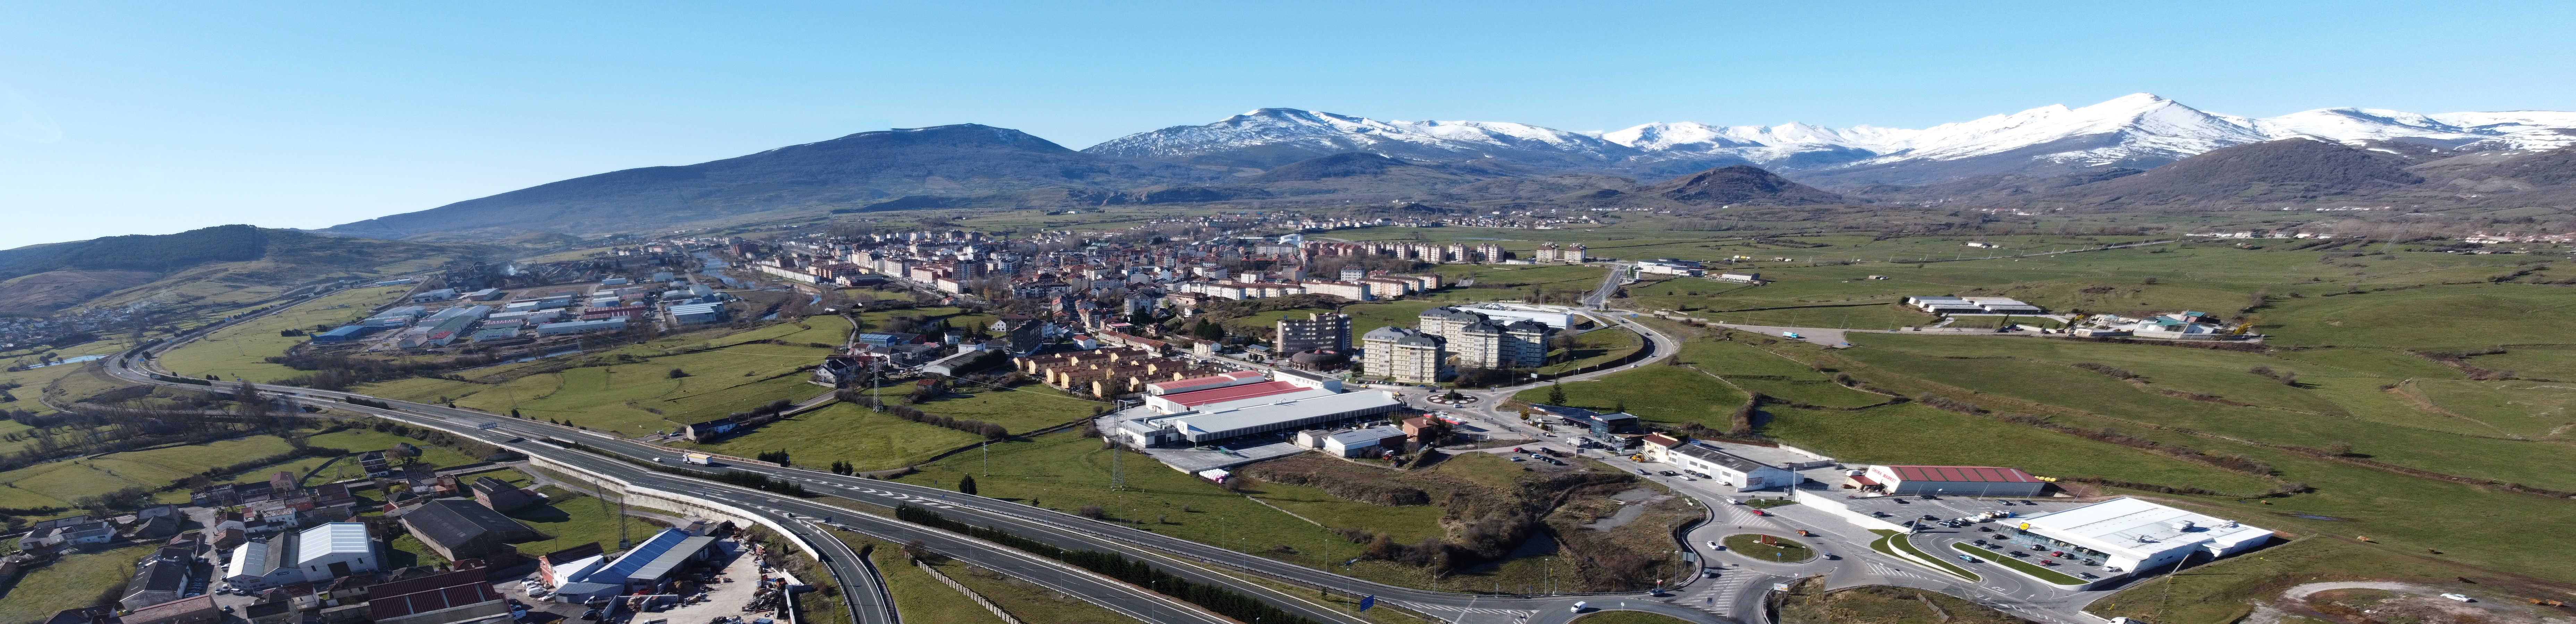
pixel 1759 512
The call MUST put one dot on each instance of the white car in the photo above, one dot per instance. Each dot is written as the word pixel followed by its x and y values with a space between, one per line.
pixel 1713 545
pixel 1578 606
pixel 2460 597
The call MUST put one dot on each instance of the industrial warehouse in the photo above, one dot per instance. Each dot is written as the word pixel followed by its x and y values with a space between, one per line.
pixel 1201 428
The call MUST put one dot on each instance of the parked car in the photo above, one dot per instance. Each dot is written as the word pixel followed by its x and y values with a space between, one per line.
pixel 1985 529
pixel 2086 575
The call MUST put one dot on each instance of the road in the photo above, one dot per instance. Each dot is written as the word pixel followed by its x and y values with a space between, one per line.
pixel 1732 597
pixel 1742 581
pixel 1192 560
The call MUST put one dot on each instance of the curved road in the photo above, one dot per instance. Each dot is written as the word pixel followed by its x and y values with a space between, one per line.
pixel 1192 560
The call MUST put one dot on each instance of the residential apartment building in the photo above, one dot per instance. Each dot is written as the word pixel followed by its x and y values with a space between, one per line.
pixel 1404 355
pixel 1321 330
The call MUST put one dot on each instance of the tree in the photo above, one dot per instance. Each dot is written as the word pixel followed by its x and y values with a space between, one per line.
pixel 1556 393
pixel 1620 406
pixel 966 485
pixel 1205 330
pixel 399 453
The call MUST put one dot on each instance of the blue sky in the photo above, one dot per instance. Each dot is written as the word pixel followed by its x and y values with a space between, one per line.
pixel 120 118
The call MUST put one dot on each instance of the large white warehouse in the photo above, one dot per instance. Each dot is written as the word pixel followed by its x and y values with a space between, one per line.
pixel 2141 537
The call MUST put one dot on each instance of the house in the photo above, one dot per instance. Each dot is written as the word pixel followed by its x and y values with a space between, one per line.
pixel 451 598
pixel 157 580
pixel 562 566
pixel 1658 447
pixel 500 496
pixel 195 610
pixel 459 529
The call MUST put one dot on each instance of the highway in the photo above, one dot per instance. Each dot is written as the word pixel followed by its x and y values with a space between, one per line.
pixel 868 598
pixel 1743 581
pixel 1192 560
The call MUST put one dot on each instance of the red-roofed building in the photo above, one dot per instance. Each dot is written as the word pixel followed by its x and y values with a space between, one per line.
pixel 1212 382
pixel 1268 390
pixel 462 596
pixel 1954 480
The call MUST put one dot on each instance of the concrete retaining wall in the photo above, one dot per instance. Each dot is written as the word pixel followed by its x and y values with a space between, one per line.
pixel 683 503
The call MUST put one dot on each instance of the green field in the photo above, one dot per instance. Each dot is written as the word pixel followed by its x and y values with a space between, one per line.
pixel 1666 395
pixel 845 432
pixel 629 390
pixel 59 483
pixel 72 582
pixel 241 350
pixel 1594 347
pixel 570 519
pixel 916 595
pixel 1065 472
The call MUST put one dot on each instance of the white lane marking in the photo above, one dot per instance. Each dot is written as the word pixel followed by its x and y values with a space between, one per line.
pixel 1432 607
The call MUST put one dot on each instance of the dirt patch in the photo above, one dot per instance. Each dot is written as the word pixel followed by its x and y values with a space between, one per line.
pixel 1805 604
pixel 2383 602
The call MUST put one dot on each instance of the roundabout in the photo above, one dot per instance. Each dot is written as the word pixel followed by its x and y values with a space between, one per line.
pixel 1772 548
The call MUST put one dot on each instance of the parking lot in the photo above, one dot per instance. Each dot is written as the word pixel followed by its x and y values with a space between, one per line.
pixel 1941 518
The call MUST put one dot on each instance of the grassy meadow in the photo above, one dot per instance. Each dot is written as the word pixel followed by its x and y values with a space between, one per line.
pixel 242 350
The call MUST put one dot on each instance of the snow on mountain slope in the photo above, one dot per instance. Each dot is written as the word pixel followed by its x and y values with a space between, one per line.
pixel 2136 130
pixel 1319 133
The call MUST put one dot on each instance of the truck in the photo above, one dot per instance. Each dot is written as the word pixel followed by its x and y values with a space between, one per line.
pixel 701 459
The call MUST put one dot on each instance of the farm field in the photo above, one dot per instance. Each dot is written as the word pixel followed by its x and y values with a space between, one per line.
pixel 1021 408
pixel 1065 472
pixel 1594 347
pixel 61 483
pixel 844 432
pixel 2256 407
pixel 241 350
pixel 1663 395
pixel 72 582
pixel 629 390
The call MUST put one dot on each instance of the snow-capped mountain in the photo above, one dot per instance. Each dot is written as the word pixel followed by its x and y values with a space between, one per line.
pixel 2136 131
pixel 1274 136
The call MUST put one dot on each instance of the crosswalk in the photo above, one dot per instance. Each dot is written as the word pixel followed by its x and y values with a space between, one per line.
pixel 1882 569
pixel 1718 595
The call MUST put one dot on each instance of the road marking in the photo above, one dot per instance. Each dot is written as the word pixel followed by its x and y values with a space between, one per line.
pixel 1479 610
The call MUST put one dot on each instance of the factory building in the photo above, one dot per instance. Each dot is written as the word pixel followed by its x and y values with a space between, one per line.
pixel 2135 536
pixel 1205 427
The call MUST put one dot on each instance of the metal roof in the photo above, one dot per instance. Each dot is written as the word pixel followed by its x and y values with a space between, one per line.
pixel 330 539
pixel 1962 474
pixel 1712 455
pixel 1370 435
pixel 453 521
pixel 655 558
pixel 1232 393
